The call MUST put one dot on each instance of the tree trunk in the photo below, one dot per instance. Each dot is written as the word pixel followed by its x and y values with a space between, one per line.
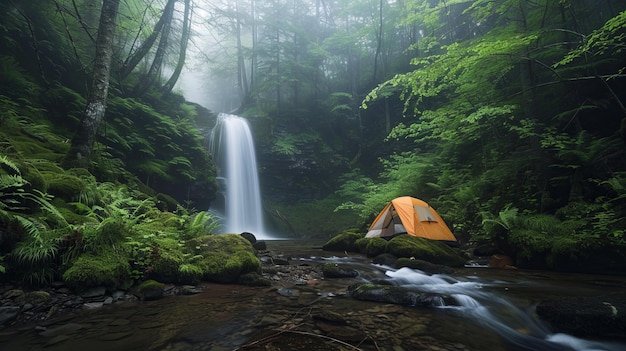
pixel 132 61
pixel 183 50
pixel 157 63
pixel 82 143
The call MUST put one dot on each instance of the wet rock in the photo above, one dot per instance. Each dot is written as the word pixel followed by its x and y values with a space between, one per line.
pixel 151 290
pixel 249 236
pixel 260 245
pixel 385 259
pixel 8 314
pixel 13 294
pixel 384 293
pixel 94 292
pixel 288 292
pixel 190 290
pixel 117 295
pixel 597 316
pixel 37 297
pixel 397 295
pixel 280 261
pixel 331 270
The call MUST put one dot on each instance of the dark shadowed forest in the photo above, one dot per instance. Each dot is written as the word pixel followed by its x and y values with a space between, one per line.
pixel 508 117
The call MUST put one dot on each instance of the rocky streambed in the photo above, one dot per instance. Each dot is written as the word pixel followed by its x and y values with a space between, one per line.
pixel 302 309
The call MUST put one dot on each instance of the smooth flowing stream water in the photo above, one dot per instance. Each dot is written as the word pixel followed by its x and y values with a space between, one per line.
pixel 494 312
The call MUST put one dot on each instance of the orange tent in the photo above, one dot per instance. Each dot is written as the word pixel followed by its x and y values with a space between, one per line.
pixel 411 216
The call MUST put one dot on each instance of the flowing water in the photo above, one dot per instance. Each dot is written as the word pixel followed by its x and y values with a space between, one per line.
pixel 232 147
pixel 493 312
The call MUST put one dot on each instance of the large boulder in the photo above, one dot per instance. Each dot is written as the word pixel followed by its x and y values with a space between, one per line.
pixel 106 269
pixel 594 316
pixel 432 251
pixel 371 247
pixel 343 242
pixel 224 258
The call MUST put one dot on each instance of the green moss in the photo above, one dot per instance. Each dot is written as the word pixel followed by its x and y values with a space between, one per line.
pixel 169 257
pixel 224 257
pixel 37 297
pixel 151 284
pixel 166 202
pixel 33 176
pixel 63 185
pixel 371 247
pixel 343 242
pixel 189 273
pixel 428 250
pixel 151 290
pixel 106 269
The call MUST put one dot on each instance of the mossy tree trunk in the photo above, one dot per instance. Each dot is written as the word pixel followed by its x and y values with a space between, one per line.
pixel 82 143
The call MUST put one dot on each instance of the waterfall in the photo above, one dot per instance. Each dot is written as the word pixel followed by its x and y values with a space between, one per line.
pixel 232 148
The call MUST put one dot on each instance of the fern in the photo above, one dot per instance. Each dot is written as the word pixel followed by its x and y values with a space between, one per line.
pixel 39 248
pixel 201 223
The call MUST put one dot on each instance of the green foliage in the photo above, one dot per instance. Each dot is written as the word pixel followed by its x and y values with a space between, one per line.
pixel 290 144
pixel 14 82
pixel 202 223
pixel 189 273
pixel 319 218
pixel 605 41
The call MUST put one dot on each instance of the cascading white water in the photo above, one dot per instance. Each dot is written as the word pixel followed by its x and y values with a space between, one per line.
pixel 516 325
pixel 232 148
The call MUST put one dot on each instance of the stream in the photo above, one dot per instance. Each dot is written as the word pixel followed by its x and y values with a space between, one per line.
pixel 493 311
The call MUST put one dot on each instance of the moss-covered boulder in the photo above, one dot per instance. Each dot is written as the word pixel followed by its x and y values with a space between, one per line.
pixel 64 185
pixel 343 242
pixel 151 290
pixel 371 247
pixel 168 256
pixel 424 249
pixel 223 258
pixel 106 269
